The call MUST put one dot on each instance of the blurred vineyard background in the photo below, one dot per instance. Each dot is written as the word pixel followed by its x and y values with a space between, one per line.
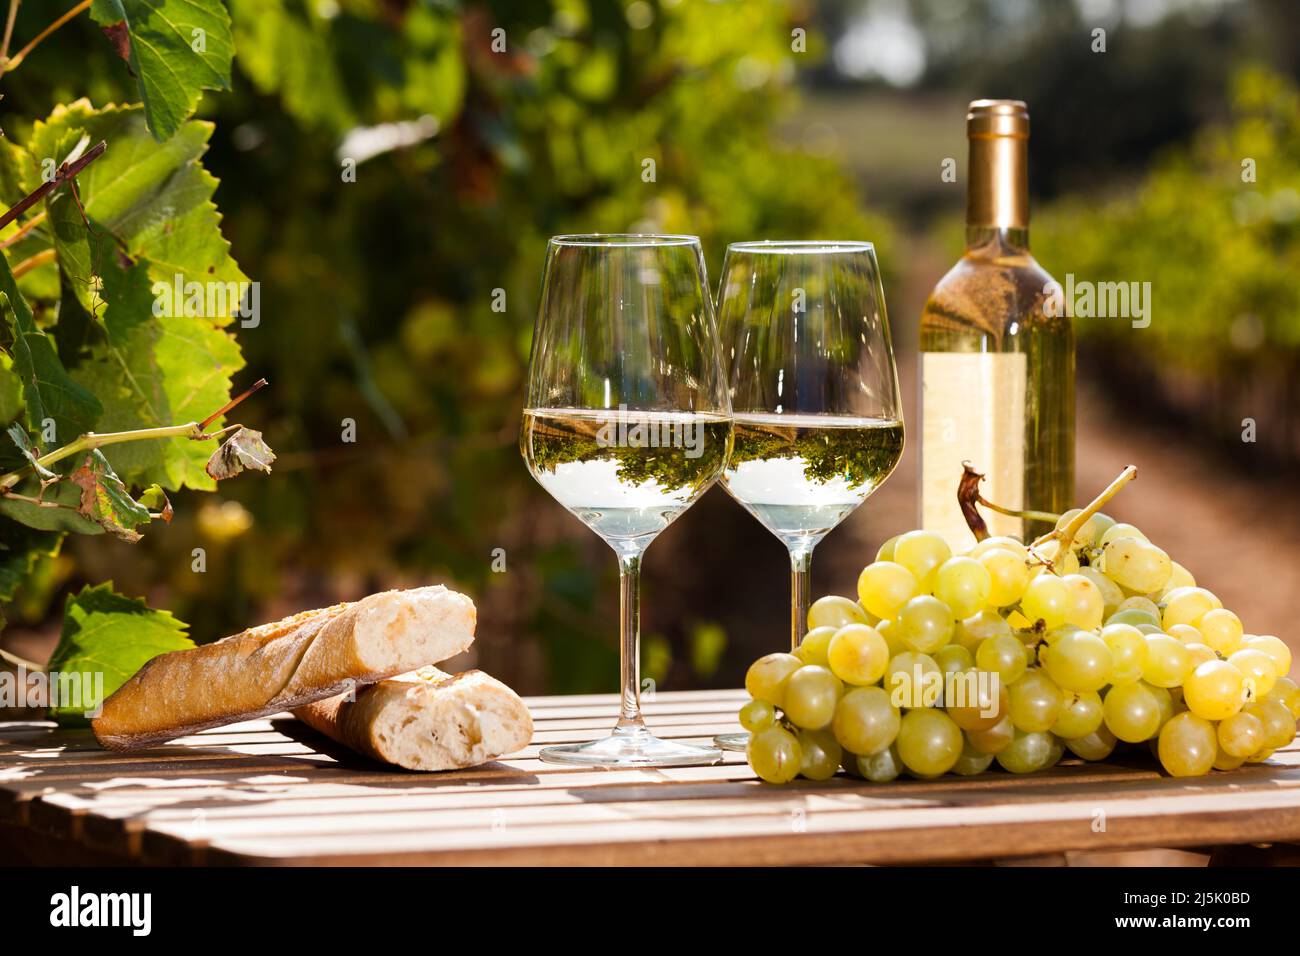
pixel 765 120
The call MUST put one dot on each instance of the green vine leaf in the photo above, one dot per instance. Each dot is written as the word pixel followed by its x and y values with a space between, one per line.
pixel 48 391
pixel 107 633
pixel 154 229
pixel 20 548
pixel 175 49
pixel 24 443
pixel 105 500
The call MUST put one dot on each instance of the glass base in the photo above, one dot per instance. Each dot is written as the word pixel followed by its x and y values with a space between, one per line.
pixel 635 747
pixel 739 742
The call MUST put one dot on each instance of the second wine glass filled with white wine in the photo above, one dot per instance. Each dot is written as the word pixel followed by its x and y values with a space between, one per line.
pixel 816 417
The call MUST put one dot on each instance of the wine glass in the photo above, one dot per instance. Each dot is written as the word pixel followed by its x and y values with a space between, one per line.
pixel 816 416
pixel 626 424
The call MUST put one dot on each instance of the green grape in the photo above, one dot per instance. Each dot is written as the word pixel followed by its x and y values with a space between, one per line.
pixel 1200 653
pixel 1142 603
pixel 1085 606
pixel 1005 655
pixel 1088 532
pixel 1279 723
pixel 1257 668
pixel 811 694
pixel 1180 578
pixel 835 611
pixel 954 659
pixel 1080 661
pixel 886 552
pixel 1222 630
pixel 1135 564
pixel 1134 617
pixel 1009 574
pixel 767 676
pixel 1034 702
pixel 1187 605
pixel 1165 701
pixel 972 631
pixel 913 680
pixel 971 761
pixel 1003 542
pixel 889 631
pixel 819 754
pixel 1029 752
pixel 1103 523
pixel 1080 715
pixel 1225 761
pixel 929 743
pixel 882 767
pixel 812 649
pixel 1241 735
pixel 921 552
pixel 857 654
pixel 1150 629
pixel 1286 693
pixel 925 624
pixel 1273 647
pixel 757 715
pixel 1188 745
pixel 963 584
pixel 1132 712
pixel 1120 531
pixel 1186 634
pixel 1046 599
pixel 774 755
pixel 1259 757
pixel 1168 661
pixel 865 721
pixel 1055 634
pixel 976 700
pixel 1111 594
pixel 1128 652
pixel 1097 745
pixel 993 739
pixel 884 587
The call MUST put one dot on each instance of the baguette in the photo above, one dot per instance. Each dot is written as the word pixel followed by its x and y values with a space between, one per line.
pixel 427 720
pixel 285 664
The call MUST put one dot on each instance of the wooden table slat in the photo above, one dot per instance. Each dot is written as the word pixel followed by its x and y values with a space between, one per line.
pixel 260 792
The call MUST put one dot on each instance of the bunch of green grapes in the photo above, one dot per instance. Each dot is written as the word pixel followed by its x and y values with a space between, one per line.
pixel 1017 654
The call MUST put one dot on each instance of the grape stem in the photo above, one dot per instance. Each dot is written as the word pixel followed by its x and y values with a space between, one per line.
pixel 968 496
pixel 1067 534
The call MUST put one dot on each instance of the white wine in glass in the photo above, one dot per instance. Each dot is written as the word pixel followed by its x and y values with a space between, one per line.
pixel 626 424
pixel 814 393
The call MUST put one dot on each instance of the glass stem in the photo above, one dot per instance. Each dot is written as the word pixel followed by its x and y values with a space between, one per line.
pixel 800 564
pixel 629 656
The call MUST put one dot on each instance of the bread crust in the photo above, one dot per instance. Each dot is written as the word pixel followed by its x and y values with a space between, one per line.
pixel 285 664
pixel 427 720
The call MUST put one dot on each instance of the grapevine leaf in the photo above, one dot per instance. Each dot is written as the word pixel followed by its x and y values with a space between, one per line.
pixel 57 510
pixel 105 500
pixel 107 633
pixel 175 49
pixel 243 449
pixel 154 230
pixel 48 391
pixel 11 391
pixel 24 443
pixel 20 548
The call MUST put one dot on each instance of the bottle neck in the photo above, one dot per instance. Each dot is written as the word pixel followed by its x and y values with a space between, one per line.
pixel 997 196
pixel 994 242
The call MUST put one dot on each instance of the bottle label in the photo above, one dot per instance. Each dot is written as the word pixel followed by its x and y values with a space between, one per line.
pixel 972 410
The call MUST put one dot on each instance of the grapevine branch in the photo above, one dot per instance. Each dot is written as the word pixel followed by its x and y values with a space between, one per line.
pixel 195 431
pixel 12 63
pixel 65 173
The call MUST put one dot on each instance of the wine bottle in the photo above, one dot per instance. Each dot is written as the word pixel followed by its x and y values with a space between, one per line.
pixel 997 366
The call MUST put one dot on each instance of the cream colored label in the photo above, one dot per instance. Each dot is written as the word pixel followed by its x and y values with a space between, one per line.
pixel 972 409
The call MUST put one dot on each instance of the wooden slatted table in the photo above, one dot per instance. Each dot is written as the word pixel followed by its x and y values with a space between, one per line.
pixel 272 792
